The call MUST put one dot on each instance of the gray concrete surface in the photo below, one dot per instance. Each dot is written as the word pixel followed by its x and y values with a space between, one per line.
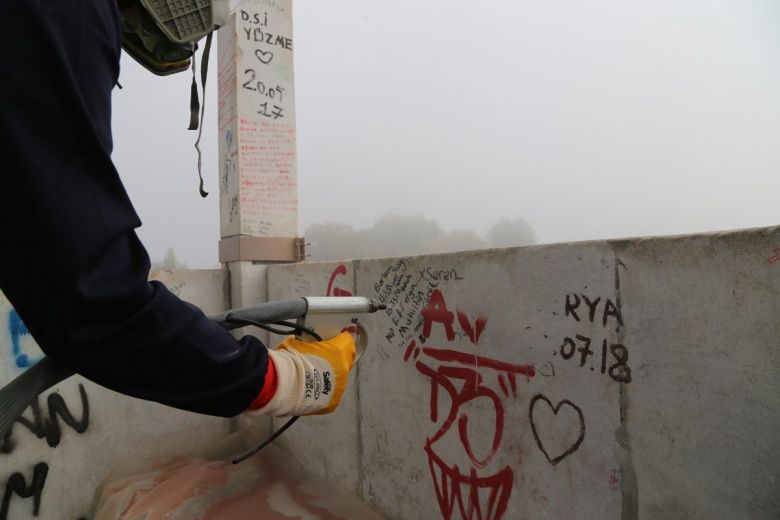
pixel 602 380
pixel 625 379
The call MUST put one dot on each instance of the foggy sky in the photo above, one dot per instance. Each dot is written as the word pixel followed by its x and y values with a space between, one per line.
pixel 595 119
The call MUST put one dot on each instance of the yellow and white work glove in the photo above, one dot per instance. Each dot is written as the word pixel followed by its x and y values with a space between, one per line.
pixel 312 376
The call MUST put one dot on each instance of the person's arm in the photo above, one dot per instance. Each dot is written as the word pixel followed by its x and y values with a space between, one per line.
pixel 71 263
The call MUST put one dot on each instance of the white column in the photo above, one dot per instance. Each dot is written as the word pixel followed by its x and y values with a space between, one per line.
pixel 258 177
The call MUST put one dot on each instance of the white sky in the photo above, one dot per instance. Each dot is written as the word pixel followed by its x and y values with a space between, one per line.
pixel 589 119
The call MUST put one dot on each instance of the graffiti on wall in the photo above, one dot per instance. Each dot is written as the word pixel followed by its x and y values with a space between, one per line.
pixel 567 446
pixel 43 422
pixel 469 459
pixel 475 491
pixel 611 358
pixel 333 289
pixel 265 139
pixel 44 426
pixel 775 257
pixel 18 332
pixel 406 292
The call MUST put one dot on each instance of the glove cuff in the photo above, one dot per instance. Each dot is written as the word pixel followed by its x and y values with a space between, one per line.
pixel 289 394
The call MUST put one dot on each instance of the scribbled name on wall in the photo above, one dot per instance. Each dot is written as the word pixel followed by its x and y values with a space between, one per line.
pixel 406 293
pixel 590 351
pixel 255 29
pixel 44 426
pixel 475 491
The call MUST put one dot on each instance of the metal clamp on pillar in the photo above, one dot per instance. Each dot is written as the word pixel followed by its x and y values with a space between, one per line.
pixel 262 249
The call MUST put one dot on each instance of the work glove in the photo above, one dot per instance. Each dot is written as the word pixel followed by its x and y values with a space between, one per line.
pixel 311 376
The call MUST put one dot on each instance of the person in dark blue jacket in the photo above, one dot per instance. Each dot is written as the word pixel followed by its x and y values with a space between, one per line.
pixel 71 263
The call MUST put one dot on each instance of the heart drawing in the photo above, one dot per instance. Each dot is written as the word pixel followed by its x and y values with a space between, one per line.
pixel 264 56
pixel 564 445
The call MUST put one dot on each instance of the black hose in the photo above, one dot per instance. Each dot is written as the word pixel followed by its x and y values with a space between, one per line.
pixel 266 442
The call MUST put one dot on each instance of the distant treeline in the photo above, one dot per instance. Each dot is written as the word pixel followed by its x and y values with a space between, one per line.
pixel 396 235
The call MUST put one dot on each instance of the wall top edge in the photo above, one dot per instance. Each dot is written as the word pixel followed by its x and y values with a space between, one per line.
pixel 618 244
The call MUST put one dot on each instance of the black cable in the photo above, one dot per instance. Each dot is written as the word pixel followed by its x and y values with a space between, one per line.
pixel 294 327
pixel 266 442
pixel 300 328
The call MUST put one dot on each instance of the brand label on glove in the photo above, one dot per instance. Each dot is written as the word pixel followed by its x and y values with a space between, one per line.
pixel 318 384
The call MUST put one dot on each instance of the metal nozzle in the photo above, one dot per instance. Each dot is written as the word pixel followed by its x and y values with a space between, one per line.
pixel 346 304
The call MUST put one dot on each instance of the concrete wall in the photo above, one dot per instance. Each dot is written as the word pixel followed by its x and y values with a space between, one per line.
pixel 624 379
pixel 602 380
pixel 63 448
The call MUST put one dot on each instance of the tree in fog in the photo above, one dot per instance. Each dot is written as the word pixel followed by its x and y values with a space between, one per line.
pixel 399 235
pixel 510 233
pixel 459 240
pixel 332 241
pixel 169 262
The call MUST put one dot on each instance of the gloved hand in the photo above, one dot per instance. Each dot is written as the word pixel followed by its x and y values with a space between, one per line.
pixel 311 376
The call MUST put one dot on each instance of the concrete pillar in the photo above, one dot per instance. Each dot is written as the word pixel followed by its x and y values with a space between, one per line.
pixel 258 177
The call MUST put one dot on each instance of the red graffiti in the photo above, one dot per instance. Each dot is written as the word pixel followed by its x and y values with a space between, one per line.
pixel 775 258
pixel 411 348
pixel 614 479
pixel 336 291
pixel 473 492
pixel 469 330
pixel 436 312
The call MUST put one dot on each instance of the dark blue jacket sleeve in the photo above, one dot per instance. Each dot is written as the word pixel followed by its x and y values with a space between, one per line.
pixel 71 263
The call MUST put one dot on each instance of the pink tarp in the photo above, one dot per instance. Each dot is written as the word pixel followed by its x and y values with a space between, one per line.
pixel 269 485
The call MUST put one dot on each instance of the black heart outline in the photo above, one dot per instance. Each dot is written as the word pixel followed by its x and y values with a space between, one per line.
pixel 555 410
pixel 259 53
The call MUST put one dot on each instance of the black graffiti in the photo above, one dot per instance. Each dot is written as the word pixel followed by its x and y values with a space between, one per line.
pixel 275 111
pixel 17 485
pixel 254 18
pixel 265 57
pixel 572 308
pixel 555 409
pixel 257 35
pixel 548 370
pixel 49 427
pixel 435 275
pixel 619 370
pixel 255 85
